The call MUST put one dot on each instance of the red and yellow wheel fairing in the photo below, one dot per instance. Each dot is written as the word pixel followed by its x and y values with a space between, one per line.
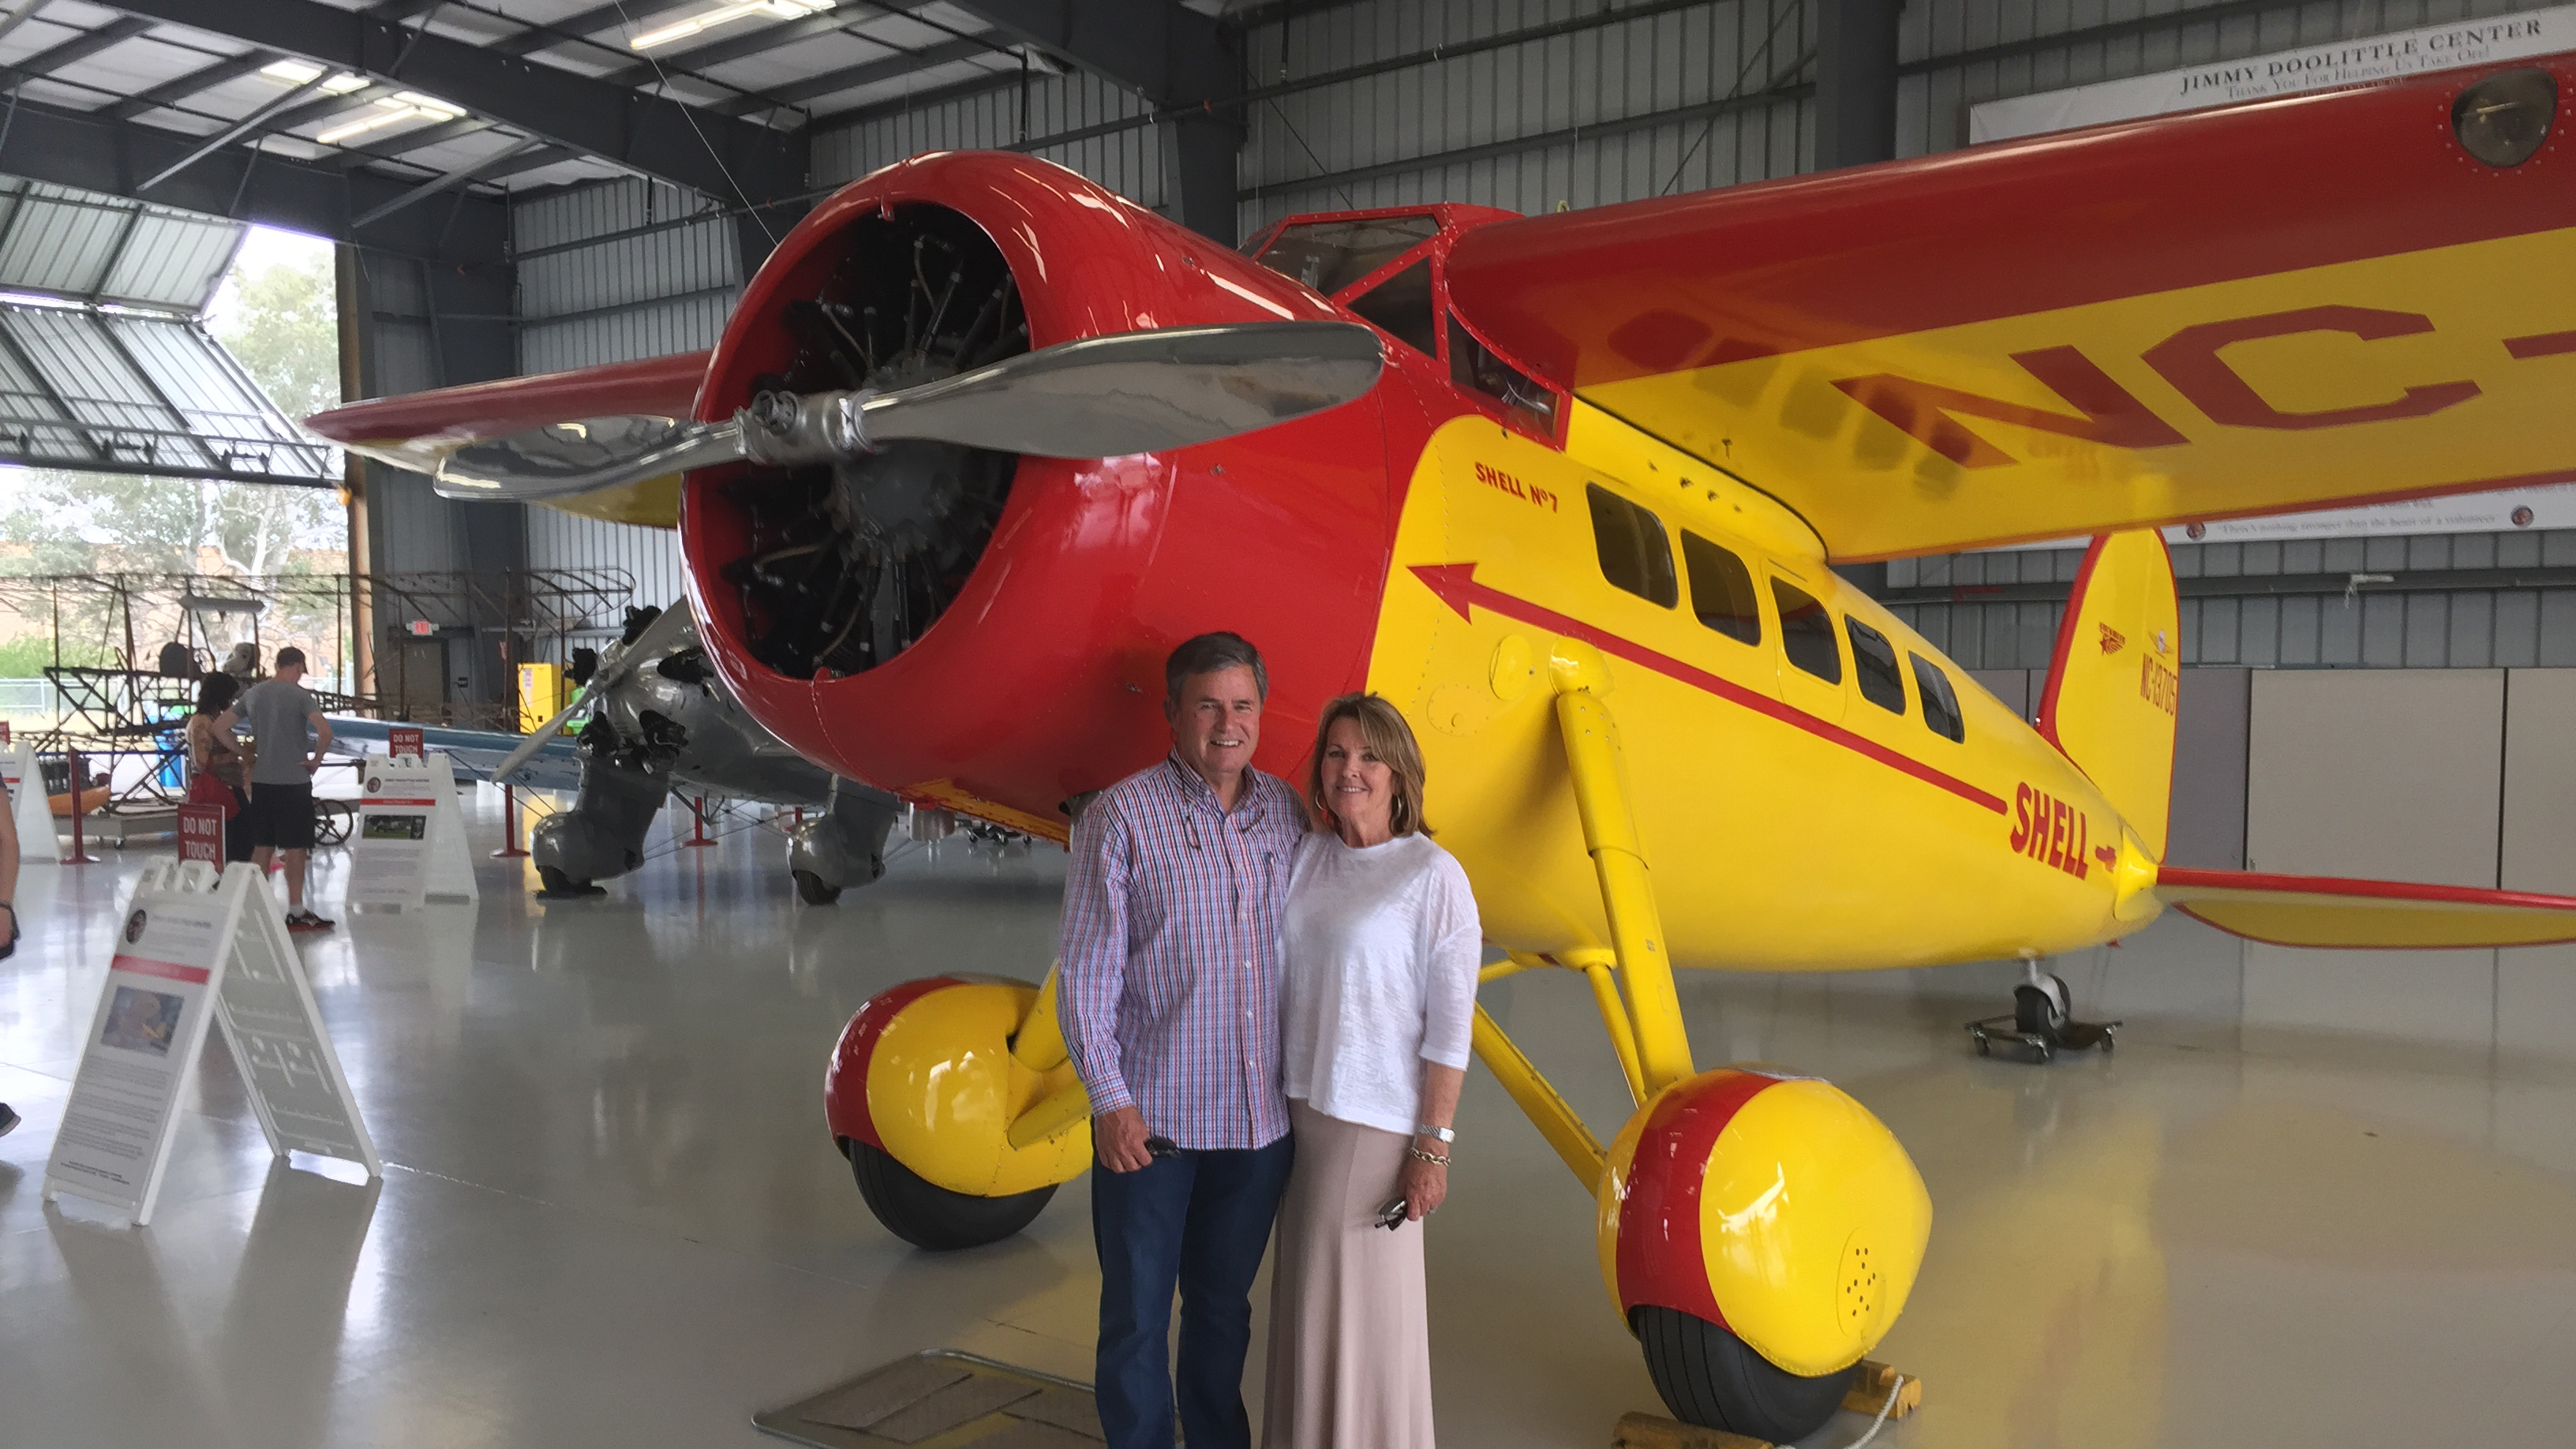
pixel 1774 1207
pixel 924 1071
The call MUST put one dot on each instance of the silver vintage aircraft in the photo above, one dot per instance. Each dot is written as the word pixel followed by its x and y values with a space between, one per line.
pixel 660 722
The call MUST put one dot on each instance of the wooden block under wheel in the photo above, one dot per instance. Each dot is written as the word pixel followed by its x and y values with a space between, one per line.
pixel 1868 1392
pixel 1647 1431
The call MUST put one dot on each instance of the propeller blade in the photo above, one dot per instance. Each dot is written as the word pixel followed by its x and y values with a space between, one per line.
pixel 1138 392
pixel 1098 397
pixel 666 627
pixel 584 455
pixel 536 741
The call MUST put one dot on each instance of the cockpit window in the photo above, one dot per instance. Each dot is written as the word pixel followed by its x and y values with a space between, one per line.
pixel 1402 305
pixel 1473 365
pixel 1331 255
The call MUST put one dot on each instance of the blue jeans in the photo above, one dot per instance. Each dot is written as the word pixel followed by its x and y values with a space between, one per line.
pixel 1199 1221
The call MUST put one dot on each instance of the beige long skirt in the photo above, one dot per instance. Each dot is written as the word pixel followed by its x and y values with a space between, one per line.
pixel 1350 1339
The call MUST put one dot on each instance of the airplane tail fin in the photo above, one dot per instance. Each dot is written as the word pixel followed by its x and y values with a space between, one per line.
pixel 2115 686
pixel 2297 910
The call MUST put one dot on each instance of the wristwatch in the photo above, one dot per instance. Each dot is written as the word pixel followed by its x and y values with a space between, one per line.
pixel 1441 1134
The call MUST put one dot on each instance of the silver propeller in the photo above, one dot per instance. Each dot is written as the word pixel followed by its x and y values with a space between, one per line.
pixel 1100 397
pixel 666 628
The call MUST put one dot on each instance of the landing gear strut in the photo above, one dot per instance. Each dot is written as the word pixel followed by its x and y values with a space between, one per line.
pixel 2041 1020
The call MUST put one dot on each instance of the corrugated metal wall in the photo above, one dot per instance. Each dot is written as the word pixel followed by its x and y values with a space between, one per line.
pixel 2435 629
pixel 1128 161
pixel 589 293
pixel 1672 98
pixel 1606 113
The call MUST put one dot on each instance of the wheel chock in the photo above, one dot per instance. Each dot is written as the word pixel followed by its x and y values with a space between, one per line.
pixel 1872 1382
pixel 1649 1431
pixel 1872 1386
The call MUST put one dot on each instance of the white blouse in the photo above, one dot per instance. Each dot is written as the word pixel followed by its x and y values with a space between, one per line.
pixel 1383 948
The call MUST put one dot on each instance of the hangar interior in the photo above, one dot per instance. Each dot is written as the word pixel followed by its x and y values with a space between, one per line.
pixel 2316 1197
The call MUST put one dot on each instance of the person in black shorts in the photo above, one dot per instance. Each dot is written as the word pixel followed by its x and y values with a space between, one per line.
pixel 288 736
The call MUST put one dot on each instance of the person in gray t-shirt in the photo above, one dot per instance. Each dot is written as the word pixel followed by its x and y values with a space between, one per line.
pixel 288 736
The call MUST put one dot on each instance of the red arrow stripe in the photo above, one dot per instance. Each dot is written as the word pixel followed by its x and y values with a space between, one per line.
pixel 1457 587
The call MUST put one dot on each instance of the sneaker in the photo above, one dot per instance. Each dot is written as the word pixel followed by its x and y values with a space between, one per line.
pixel 305 920
pixel 8 1120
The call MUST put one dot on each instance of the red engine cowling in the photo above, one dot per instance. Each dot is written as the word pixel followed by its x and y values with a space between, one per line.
pixel 987 631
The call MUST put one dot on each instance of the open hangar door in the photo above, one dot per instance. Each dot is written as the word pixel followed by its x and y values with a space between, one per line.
pixel 106 363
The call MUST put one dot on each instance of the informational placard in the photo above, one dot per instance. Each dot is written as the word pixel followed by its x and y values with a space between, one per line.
pixel 409 844
pixel 2294 72
pixel 32 813
pixel 201 834
pixel 143 1040
pixel 195 947
pixel 405 740
pixel 278 1041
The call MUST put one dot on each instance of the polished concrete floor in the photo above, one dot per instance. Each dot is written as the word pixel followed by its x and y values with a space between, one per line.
pixel 610 1214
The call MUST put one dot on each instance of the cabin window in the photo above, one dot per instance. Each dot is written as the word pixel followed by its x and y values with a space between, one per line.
pixel 1331 255
pixel 1402 305
pixel 1473 366
pixel 1940 702
pixel 1721 589
pixel 1807 633
pixel 1635 555
pixel 1874 667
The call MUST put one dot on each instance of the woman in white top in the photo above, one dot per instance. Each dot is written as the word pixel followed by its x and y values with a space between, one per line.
pixel 1383 948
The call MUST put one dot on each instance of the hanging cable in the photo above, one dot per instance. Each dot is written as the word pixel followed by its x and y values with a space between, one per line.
pixel 1736 91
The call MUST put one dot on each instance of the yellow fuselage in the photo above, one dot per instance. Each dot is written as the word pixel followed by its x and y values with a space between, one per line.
pixel 1790 823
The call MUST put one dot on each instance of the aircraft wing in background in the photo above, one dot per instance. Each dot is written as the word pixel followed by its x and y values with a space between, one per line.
pixel 555 766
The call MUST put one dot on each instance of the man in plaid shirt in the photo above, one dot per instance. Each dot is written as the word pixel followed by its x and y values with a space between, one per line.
pixel 1170 1008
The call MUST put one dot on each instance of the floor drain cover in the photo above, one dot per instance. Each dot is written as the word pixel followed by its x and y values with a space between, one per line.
pixel 943 1399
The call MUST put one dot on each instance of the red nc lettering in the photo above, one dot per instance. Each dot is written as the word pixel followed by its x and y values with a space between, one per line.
pixel 2109 414
pixel 2189 360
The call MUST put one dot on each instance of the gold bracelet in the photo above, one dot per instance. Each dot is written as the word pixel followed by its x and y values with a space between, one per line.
pixel 1434 1158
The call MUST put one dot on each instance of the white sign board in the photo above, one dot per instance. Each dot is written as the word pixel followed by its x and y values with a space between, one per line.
pixel 194 947
pixel 409 844
pixel 2286 73
pixel 31 812
pixel 277 1038
pixel 2293 72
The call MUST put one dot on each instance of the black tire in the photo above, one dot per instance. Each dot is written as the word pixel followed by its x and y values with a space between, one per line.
pixel 929 1216
pixel 811 890
pixel 554 885
pixel 1709 1377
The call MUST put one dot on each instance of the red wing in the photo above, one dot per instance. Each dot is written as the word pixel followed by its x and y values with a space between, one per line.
pixel 2260 308
pixel 2299 910
pixel 418 430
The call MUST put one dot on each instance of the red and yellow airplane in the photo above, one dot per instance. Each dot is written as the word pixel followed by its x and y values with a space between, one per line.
pixel 982 441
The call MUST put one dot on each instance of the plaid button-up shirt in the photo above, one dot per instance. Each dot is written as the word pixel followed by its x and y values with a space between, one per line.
pixel 1170 984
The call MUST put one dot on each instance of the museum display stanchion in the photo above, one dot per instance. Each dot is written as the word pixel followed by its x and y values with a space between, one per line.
pixel 510 847
pixel 72 780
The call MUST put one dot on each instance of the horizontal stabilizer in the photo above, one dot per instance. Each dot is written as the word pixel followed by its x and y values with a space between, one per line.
pixel 2309 910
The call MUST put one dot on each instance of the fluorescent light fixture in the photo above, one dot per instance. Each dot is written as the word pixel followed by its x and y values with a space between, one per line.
pixel 391 110
pixel 723 12
pixel 296 73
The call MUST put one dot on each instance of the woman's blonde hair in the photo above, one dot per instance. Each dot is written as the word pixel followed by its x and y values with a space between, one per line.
pixel 1389 738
